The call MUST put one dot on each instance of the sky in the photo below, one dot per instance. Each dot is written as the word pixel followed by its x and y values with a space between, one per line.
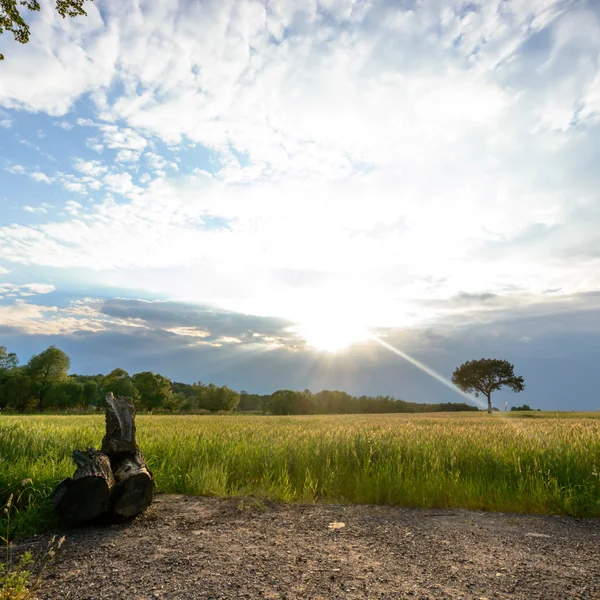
pixel 254 193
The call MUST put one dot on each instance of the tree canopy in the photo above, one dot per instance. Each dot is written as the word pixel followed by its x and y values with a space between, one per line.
pixel 12 20
pixel 46 369
pixel 485 376
pixel 8 360
pixel 154 390
pixel 44 383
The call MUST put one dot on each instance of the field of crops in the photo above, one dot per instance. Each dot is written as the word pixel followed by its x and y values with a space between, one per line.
pixel 530 462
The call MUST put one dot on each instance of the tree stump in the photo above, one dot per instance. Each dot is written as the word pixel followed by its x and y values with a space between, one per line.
pixel 114 480
pixel 133 492
pixel 120 426
pixel 87 494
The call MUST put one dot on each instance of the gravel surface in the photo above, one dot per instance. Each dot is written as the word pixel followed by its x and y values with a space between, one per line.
pixel 189 547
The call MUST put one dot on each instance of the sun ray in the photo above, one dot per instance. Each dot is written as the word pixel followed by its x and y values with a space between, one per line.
pixel 426 369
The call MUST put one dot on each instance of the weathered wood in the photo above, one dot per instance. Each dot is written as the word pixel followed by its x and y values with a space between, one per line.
pixel 115 479
pixel 120 426
pixel 134 487
pixel 87 494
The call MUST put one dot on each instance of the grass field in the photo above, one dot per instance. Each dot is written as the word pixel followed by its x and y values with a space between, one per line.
pixel 523 462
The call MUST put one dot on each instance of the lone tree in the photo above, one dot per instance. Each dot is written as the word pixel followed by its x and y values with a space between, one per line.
pixel 11 19
pixel 46 369
pixel 486 375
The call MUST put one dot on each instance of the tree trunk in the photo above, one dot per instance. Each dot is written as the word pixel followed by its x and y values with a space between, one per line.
pixel 120 426
pixel 489 397
pixel 87 494
pixel 133 492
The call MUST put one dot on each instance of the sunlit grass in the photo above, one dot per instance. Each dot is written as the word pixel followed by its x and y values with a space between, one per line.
pixel 522 462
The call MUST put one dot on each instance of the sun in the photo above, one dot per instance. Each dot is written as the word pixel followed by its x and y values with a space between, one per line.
pixel 331 334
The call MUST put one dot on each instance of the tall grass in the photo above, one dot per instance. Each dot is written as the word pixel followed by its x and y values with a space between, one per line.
pixel 536 465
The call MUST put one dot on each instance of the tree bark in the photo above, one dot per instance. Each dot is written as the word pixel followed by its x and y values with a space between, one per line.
pixel 120 426
pixel 134 485
pixel 489 398
pixel 87 494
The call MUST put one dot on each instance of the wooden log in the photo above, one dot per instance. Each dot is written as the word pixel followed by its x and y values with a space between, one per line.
pixel 115 479
pixel 120 426
pixel 134 487
pixel 87 494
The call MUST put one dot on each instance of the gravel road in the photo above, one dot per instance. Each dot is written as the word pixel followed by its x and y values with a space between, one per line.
pixel 189 547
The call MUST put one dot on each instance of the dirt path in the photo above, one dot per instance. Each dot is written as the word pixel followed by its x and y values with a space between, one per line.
pixel 186 547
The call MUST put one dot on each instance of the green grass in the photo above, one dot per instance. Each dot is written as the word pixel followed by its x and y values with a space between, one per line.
pixel 548 463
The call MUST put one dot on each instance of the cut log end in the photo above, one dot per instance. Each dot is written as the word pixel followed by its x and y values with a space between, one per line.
pixel 133 492
pixel 80 500
pixel 133 496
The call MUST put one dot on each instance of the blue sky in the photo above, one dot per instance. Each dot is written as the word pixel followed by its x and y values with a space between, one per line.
pixel 244 192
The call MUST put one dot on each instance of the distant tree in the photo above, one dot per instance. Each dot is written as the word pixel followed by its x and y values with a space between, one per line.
pixel 90 393
pixel 47 369
pixel 8 370
pixel 67 393
pixel 11 19
pixel 154 390
pixel 16 392
pixel 212 397
pixel 252 402
pixel 289 402
pixel 119 383
pixel 175 402
pixel 485 376
pixel 519 408
pixel 8 360
pixel 189 391
pixel 188 402
pixel 333 402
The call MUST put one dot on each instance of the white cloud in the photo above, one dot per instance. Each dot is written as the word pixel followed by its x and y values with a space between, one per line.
pixel 93 168
pixel 127 156
pixel 21 313
pixel 189 332
pixel 3 271
pixel 63 125
pixel 16 169
pixel 6 123
pixel 94 144
pixel 389 256
pixel 39 288
pixel 66 58
pixel 75 186
pixel 34 209
pixel 120 183
pixel 30 289
pixel 124 138
pixel 41 208
pixel 41 177
pixel 73 207
pixel 411 153
pixel 79 316
pixel 155 161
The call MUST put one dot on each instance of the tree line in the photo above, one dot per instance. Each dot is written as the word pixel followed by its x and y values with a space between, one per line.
pixel 44 384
